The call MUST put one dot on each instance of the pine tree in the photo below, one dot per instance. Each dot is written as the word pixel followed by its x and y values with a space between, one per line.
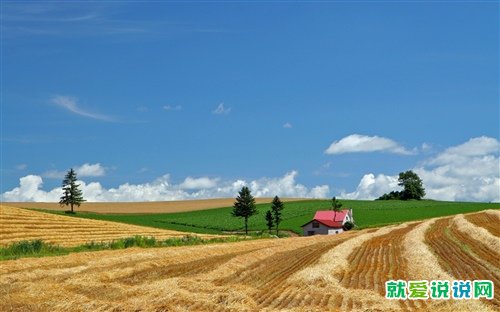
pixel 276 208
pixel 72 194
pixel 244 206
pixel 269 220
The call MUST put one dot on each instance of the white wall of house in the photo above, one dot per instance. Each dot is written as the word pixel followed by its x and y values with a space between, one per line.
pixel 335 231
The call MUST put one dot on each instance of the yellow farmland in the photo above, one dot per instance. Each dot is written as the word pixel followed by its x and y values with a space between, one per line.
pixel 346 272
pixel 147 207
pixel 20 224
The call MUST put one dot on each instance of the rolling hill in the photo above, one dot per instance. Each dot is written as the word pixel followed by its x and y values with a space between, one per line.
pixel 344 272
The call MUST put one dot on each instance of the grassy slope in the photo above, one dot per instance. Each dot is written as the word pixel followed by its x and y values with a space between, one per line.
pixel 366 214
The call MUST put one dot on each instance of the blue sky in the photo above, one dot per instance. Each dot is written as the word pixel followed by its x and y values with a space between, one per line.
pixel 192 100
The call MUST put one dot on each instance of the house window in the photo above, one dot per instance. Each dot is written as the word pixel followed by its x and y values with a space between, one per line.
pixel 336 232
pixel 315 224
pixel 310 233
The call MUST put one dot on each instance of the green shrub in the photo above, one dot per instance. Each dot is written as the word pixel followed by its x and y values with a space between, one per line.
pixel 348 225
pixel 130 242
pixel 117 244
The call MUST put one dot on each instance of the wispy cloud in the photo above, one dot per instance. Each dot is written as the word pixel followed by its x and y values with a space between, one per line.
pixel 143 109
pixel 356 143
pixel 172 108
pixel 287 125
pixel 65 19
pixel 221 110
pixel 70 104
pixel 85 170
pixel 21 166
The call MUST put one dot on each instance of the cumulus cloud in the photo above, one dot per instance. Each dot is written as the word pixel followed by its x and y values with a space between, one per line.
pixel 30 189
pixel 71 104
pixel 480 146
pixel 466 172
pixel 90 170
pixel 371 187
pixel 356 143
pixel 221 110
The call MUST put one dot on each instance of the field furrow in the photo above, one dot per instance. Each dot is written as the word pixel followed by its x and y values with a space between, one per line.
pixel 346 272
pixel 377 261
pixel 284 266
pixel 189 268
pixel 480 250
pixel 488 221
pixel 455 259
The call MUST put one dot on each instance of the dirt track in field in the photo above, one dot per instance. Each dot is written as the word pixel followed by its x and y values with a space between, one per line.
pixel 147 207
pixel 346 272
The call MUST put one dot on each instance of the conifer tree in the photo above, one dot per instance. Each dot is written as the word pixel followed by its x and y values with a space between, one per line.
pixel 244 206
pixel 276 208
pixel 72 194
pixel 269 220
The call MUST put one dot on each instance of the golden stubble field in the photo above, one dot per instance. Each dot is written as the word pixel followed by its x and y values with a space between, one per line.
pixel 147 207
pixel 321 273
pixel 21 224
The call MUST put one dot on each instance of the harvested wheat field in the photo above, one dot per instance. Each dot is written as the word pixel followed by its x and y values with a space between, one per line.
pixel 147 207
pixel 20 224
pixel 346 272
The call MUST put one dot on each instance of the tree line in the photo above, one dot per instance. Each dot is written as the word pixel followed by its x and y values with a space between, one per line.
pixel 244 207
pixel 412 188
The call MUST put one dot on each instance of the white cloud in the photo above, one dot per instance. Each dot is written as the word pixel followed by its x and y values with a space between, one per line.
pixel 287 125
pixel 198 183
pixel 53 174
pixel 467 172
pixel 162 189
pixel 426 147
pixel 356 143
pixel 90 170
pixel 29 190
pixel 70 103
pixel 371 187
pixel 21 166
pixel 480 146
pixel 221 110
pixel 172 108
pixel 85 170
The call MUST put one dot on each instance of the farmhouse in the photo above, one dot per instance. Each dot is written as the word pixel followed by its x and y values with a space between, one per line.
pixel 328 222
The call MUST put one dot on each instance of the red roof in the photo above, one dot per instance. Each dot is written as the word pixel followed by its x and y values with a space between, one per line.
pixel 330 218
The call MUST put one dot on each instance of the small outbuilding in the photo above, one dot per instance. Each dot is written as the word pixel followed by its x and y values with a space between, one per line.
pixel 328 222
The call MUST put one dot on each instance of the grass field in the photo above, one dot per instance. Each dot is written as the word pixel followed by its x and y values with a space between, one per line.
pixel 366 214
pixel 345 272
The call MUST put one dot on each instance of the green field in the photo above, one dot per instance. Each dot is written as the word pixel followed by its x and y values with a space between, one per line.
pixel 295 214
